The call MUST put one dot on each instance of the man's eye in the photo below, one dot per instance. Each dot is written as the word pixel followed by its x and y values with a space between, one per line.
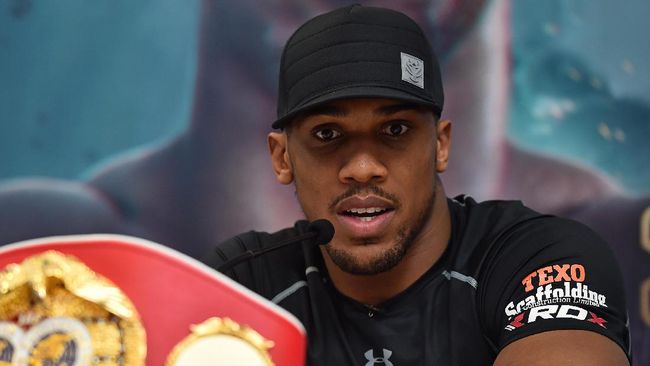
pixel 395 129
pixel 327 134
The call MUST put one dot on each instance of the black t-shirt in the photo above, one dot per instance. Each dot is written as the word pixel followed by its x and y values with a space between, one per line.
pixel 508 272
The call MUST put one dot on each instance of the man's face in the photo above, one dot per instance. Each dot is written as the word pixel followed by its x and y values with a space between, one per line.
pixel 368 166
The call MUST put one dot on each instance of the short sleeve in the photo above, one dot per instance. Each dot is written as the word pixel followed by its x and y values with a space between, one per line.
pixel 551 274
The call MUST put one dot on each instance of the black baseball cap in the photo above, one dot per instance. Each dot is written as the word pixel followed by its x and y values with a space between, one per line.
pixel 355 52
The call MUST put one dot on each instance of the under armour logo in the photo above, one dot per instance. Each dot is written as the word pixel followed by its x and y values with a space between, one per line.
pixel 372 360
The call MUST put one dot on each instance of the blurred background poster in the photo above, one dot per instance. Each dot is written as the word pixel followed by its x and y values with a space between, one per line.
pixel 149 118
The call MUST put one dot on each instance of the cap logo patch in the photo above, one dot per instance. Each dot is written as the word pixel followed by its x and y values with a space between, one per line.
pixel 412 70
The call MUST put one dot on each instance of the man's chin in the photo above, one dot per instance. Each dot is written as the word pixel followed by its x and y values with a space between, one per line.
pixel 369 258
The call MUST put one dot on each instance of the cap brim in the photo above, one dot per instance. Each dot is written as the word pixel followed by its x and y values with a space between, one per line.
pixel 356 92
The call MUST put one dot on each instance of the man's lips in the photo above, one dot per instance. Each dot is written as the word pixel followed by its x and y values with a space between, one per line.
pixel 364 216
pixel 357 202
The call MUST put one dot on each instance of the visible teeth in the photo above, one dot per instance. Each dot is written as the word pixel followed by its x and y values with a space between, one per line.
pixel 366 210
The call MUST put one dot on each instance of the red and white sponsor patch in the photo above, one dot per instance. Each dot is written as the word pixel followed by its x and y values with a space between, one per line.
pixel 546 312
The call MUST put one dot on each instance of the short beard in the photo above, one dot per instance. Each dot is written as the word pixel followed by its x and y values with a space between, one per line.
pixel 389 258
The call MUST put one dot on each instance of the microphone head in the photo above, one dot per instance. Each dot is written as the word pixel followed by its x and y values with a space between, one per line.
pixel 323 229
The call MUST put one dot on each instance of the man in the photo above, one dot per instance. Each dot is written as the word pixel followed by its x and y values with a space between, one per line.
pixel 188 193
pixel 411 277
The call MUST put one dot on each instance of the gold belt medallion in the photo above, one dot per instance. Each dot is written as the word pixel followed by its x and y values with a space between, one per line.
pixel 55 311
pixel 221 341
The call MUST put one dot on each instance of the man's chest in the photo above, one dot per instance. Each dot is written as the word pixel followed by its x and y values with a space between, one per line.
pixel 435 325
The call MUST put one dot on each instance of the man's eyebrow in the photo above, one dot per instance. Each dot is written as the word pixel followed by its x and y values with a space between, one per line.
pixel 395 108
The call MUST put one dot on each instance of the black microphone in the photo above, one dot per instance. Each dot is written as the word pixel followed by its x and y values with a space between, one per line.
pixel 321 231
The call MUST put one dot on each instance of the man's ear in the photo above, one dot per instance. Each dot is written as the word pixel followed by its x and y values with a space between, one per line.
pixel 443 144
pixel 280 157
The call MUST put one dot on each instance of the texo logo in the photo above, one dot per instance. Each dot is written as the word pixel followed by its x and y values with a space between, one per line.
pixel 555 273
pixel 384 360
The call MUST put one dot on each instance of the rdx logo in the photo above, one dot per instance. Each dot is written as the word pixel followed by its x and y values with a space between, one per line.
pixel 556 312
pixel 554 273
pixel 384 360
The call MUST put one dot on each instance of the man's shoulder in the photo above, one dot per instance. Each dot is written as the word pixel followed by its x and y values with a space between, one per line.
pixel 256 240
pixel 262 271
pixel 479 222
pixel 500 217
pixel 492 211
pixel 485 229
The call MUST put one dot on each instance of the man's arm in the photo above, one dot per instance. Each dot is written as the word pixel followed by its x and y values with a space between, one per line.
pixel 563 347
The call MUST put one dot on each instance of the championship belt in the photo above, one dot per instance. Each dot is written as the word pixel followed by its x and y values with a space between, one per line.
pixel 117 300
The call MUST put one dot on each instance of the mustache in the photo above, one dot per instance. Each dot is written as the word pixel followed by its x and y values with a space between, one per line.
pixel 364 190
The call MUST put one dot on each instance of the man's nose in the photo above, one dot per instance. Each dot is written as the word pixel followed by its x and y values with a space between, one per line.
pixel 363 167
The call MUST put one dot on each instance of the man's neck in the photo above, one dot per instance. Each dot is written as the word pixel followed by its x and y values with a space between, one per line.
pixel 425 252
